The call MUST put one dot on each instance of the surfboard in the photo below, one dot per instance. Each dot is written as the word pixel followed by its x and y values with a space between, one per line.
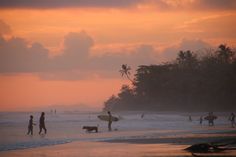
pixel 106 118
pixel 210 117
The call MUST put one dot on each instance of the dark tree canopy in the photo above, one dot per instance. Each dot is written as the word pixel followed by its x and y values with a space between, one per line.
pixel 190 83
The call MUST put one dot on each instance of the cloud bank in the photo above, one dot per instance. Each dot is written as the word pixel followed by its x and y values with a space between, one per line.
pixel 194 45
pixel 75 61
pixel 16 56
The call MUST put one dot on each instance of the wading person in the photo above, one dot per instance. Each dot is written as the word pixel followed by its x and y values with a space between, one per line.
pixel 42 123
pixel 201 120
pixel 232 119
pixel 211 117
pixel 30 126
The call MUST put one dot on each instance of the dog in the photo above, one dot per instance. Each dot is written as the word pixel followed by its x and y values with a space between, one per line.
pixel 91 128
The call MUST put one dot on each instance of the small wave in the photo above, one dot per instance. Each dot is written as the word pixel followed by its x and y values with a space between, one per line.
pixel 33 144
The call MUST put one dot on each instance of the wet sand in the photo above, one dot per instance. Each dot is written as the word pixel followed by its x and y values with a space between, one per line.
pixel 134 147
pixel 100 149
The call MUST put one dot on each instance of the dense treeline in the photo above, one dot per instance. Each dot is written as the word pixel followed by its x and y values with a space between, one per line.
pixel 189 83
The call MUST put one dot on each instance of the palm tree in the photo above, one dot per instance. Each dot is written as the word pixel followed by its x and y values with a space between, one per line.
pixel 225 54
pixel 125 70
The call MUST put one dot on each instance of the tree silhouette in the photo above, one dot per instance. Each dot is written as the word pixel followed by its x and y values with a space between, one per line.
pixel 187 59
pixel 224 53
pixel 125 71
pixel 189 83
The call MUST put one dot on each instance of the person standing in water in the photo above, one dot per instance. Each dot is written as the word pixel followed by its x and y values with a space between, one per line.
pixel 211 118
pixel 42 123
pixel 232 119
pixel 142 115
pixel 109 120
pixel 30 126
pixel 190 118
pixel 201 120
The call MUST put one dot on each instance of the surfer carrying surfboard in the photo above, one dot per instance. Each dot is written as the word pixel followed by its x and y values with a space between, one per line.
pixel 109 120
pixel 211 117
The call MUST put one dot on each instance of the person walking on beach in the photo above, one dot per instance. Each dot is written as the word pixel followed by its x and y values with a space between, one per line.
pixel 42 123
pixel 232 119
pixel 30 126
pixel 109 120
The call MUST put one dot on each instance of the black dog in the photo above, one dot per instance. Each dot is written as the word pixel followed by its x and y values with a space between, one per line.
pixel 90 128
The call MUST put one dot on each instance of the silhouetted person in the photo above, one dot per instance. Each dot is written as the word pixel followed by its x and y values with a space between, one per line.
pixel 109 120
pixel 42 123
pixel 190 118
pixel 201 120
pixel 142 115
pixel 30 126
pixel 211 119
pixel 232 119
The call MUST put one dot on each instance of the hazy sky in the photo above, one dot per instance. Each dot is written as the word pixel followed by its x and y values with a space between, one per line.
pixel 67 52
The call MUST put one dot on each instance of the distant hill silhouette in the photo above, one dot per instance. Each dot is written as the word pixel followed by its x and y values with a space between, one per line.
pixel 189 83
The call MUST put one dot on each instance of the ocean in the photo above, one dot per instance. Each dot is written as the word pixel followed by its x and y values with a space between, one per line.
pixel 64 127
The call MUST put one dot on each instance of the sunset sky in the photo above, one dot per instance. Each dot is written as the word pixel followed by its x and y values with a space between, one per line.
pixel 69 52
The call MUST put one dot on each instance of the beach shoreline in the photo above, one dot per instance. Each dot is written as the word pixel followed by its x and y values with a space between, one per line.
pixel 151 136
pixel 169 146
